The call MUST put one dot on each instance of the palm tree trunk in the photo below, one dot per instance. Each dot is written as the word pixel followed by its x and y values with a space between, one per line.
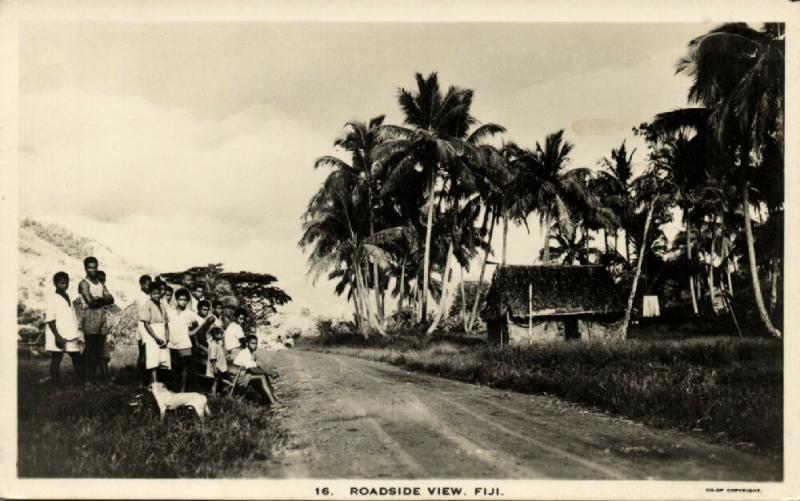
pixel 505 237
pixel 473 316
pixel 627 248
pixel 402 294
pixel 427 259
pixel 751 254
pixel 711 293
pixel 605 239
pixel 463 300
pixel 689 262
pixel 546 249
pixel 629 309
pixel 443 299
pixel 730 280
pixel 364 309
pixel 773 297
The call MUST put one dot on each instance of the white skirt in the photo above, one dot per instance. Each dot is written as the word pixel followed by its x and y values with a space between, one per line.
pixel 72 345
pixel 155 357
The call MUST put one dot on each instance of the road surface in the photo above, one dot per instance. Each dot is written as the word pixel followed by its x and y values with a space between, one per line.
pixel 352 418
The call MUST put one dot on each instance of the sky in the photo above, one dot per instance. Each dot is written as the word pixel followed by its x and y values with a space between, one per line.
pixel 182 144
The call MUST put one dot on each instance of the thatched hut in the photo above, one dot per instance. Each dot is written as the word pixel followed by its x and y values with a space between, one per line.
pixel 540 303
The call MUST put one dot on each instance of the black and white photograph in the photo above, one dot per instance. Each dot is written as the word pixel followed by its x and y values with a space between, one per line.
pixel 388 258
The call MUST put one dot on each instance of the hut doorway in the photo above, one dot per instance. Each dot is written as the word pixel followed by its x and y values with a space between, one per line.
pixel 571 331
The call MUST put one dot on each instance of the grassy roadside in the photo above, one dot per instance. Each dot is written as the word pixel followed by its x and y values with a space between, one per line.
pixel 730 387
pixel 93 431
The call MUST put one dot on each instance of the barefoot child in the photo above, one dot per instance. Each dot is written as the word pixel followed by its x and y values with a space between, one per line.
pixel 217 365
pixel 250 374
pixel 156 333
pixel 61 334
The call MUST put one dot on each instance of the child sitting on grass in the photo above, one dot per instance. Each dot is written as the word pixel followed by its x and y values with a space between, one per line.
pixel 250 374
pixel 217 365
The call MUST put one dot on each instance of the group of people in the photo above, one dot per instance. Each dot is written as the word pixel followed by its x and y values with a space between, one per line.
pixel 175 329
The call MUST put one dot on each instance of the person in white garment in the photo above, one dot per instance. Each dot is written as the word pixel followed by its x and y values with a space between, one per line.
pixel 62 334
pixel 234 335
pixel 156 333
pixel 250 374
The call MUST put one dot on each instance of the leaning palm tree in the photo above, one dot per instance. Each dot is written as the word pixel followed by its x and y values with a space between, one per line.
pixel 738 74
pixel 433 140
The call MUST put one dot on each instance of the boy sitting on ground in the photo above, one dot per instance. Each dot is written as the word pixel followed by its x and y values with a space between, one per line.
pixel 217 366
pixel 250 374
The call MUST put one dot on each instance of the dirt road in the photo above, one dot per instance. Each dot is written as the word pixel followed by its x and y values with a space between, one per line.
pixel 351 418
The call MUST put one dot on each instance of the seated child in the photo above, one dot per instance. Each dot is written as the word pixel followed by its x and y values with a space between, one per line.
pixel 250 374
pixel 217 365
pixel 234 335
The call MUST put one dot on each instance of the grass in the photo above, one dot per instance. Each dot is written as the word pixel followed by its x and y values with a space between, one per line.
pixel 730 387
pixel 92 431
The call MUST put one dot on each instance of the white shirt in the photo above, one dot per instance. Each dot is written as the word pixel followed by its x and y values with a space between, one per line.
pixel 233 334
pixel 179 325
pixel 245 359
pixel 58 309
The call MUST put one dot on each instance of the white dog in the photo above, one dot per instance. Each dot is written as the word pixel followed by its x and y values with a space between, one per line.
pixel 167 400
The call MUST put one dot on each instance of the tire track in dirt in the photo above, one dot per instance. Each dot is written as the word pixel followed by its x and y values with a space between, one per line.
pixel 497 460
pixel 591 465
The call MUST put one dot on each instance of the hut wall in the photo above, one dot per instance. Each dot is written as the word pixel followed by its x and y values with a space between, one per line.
pixel 548 330
pixel 592 329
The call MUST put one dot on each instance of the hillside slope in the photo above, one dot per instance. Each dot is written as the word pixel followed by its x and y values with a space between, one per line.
pixel 45 249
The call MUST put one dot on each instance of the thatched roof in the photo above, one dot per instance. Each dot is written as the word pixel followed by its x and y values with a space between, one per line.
pixel 557 290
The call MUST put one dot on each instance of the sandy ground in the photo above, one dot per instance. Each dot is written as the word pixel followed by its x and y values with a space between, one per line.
pixel 352 418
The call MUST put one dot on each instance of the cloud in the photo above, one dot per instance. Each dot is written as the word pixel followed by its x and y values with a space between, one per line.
pixel 113 158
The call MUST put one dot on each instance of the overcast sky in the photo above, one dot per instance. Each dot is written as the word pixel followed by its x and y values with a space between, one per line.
pixel 182 144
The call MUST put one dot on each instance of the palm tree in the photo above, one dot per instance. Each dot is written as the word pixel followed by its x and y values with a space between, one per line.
pixel 434 140
pixel 738 74
pixel 332 230
pixel 548 184
pixel 360 141
pixel 614 182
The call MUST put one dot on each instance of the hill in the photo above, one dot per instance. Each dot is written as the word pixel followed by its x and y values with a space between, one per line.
pixel 45 249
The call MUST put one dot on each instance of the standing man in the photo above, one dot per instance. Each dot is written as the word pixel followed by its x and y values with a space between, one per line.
pixel 95 296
